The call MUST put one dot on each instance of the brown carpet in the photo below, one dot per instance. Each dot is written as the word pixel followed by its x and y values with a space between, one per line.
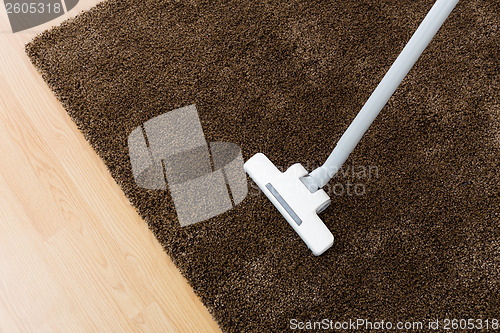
pixel 286 78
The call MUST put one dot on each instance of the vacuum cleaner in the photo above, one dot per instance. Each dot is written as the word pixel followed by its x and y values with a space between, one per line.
pixel 297 194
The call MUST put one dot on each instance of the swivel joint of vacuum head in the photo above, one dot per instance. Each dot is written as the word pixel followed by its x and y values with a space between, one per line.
pixel 293 199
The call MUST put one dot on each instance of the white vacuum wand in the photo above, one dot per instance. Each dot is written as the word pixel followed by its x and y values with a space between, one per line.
pixel 297 195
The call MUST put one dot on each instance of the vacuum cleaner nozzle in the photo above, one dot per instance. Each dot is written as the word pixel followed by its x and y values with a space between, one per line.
pixel 293 200
pixel 300 198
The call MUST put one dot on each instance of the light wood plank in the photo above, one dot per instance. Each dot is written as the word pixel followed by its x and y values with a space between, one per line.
pixel 74 255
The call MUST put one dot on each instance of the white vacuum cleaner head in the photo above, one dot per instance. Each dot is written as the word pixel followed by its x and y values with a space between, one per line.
pixel 295 202
pixel 300 200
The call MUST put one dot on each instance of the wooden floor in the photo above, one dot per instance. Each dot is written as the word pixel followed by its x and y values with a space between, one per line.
pixel 74 255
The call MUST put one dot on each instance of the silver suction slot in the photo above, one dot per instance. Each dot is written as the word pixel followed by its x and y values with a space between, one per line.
pixel 283 203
